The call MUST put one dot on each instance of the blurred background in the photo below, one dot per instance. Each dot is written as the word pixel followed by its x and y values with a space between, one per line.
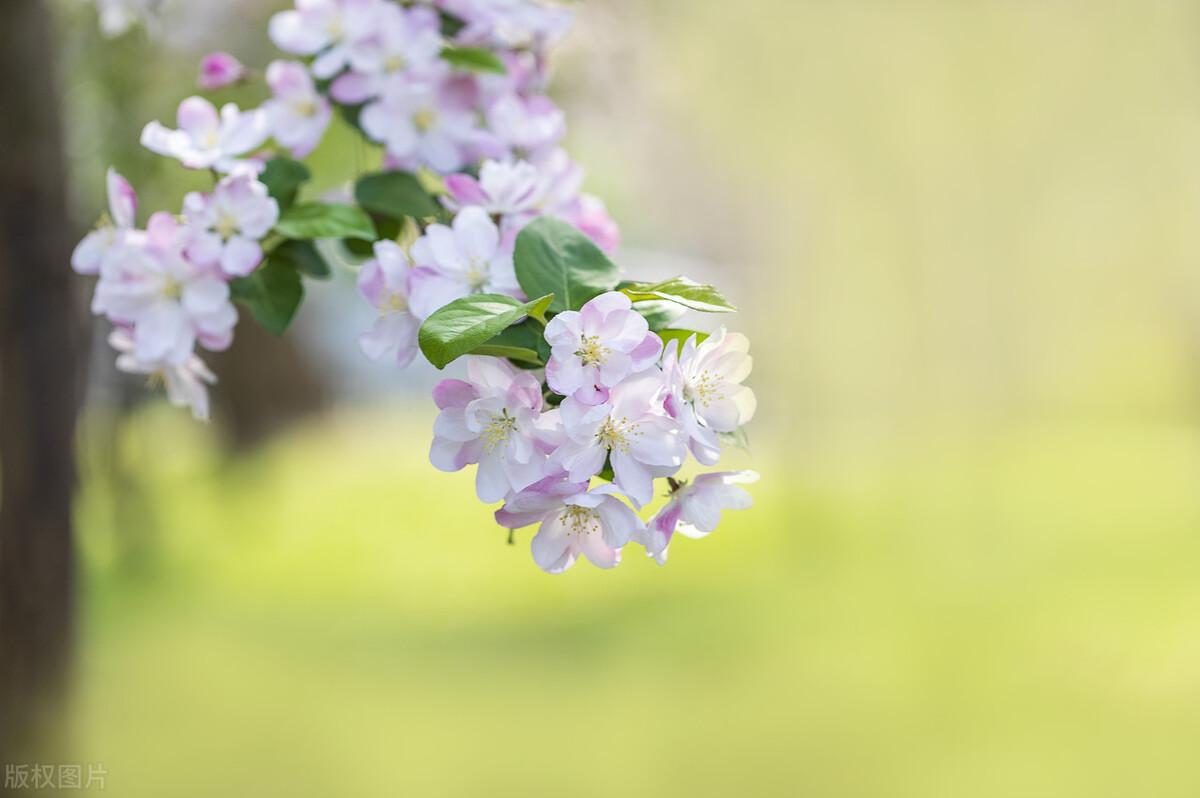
pixel 964 238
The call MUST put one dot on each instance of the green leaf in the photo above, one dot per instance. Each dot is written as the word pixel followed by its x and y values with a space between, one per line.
pixel 552 257
pixel 519 343
pixel 468 322
pixel 319 220
pixel 474 59
pixel 683 291
pixel 738 439
pixel 395 195
pixel 681 336
pixel 303 257
pixel 283 178
pixel 272 294
pixel 386 228
pixel 660 314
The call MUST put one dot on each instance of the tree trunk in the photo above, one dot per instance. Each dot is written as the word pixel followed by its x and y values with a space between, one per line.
pixel 39 361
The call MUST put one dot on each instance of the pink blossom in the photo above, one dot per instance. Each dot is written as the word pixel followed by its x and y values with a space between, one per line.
pixel 384 283
pixel 298 113
pixel 490 419
pixel 630 431
pixel 402 43
pixel 99 244
pixel 419 125
pixel 503 188
pixel 186 383
pixel 218 70
pixel 695 509
pixel 326 29
pixel 169 303
pixel 526 125
pixel 227 225
pixel 574 522
pixel 597 347
pixel 705 392
pixel 466 258
pixel 205 140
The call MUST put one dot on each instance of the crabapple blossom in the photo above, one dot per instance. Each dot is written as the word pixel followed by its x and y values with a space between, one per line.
pixel 510 23
pixel 630 431
pixel 206 140
pixel 401 43
pixel 694 509
pixel 490 419
pixel 590 215
pixel 298 114
pixel 384 282
pixel 218 70
pixel 326 29
pixel 574 522
pixel 420 124
pixel 99 244
pixel 465 258
pixel 186 383
pixel 503 188
pixel 227 225
pixel 526 125
pixel 595 348
pixel 169 302
pixel 705 393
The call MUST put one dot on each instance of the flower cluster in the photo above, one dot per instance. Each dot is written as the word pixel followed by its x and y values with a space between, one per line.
pixel 621 408
pixel 478 243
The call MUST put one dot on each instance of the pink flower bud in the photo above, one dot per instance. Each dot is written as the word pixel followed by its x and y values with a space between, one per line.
pixel 219 70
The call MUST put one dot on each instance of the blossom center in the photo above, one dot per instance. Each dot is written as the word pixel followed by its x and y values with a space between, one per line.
pixel 617 433
pixel 477 276
pixel 499 430
pixel 395 63
pixel 226 226
pixel 705 389
pixel 305 107
pixel 425 119
pixel 591 351
pixel 396 303
pixel 580 520
pixel 172 288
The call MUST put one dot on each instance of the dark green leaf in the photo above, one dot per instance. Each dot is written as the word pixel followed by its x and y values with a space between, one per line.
pixel 396 195
pixel 303 257
pixel 474 59
pixel 318 220
pixel 681 336
pixel 466 323
pixel 688 293
pixel 272 294
pixel 660 314
pixel 283 178
pixel 387 229
pixel 552 257
pixel 519 343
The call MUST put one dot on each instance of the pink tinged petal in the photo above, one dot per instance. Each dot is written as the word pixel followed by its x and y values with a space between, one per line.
pixel 372 285
pixel 161 232
pixel 583 461
pixel 477 234
pixel 161 333
pixel 204 249
pixel 616 366
pixel 352 88
pixel 606 303
pixel 452 424
pixel 623 329
pixel 491 483
pixel 430 290
pixel 242 131
pixel 205 296
pixel 600 553
pixel 720 414
pixel 172 143
pixel 633 477
pixel 198 118
pixel 122 200
pixel 646 353
pixel 704 445
pixel 466 190
pixel 565 375
pixel 454 393
pixel 289 79
pixel 620 524
pixel 747 404
pixel 447 455
pixel 491 372
pixel 291 33
pixel 522 475
pixel 90 252
pixel 565 330
pixel 240 257
pixel 551 546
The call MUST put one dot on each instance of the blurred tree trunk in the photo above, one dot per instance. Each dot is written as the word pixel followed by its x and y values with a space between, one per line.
pixel 39 359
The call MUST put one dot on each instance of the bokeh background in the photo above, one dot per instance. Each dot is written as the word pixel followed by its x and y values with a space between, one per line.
pixel 965 239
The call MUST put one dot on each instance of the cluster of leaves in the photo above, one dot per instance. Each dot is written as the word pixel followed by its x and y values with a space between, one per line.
pixel 554 262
